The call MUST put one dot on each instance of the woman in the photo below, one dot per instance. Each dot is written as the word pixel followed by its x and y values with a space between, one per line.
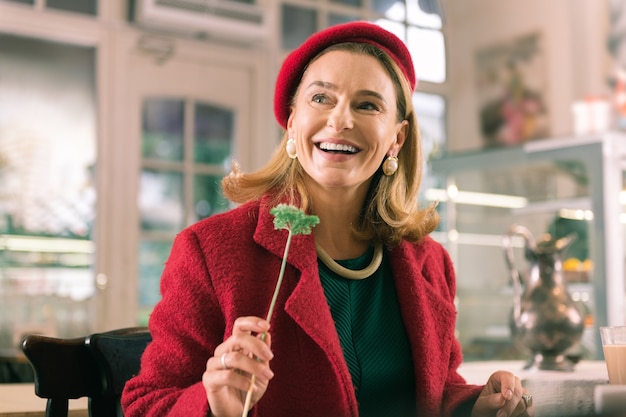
pixel 364 321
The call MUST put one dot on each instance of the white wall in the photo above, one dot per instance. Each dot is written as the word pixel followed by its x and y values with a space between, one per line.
pixel 577 60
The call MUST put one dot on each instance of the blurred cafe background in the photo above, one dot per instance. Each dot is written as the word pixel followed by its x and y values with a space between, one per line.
pixel 119 117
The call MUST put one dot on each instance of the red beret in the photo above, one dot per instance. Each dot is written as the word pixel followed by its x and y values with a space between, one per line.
pixel 360 32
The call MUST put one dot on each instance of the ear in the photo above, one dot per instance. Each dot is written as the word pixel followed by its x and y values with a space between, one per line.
pixel 290 120
pixel 401 134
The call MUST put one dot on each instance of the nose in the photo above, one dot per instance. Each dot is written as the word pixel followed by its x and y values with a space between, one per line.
pixel 340 118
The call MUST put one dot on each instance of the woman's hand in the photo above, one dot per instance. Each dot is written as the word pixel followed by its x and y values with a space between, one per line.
pixel 502 397
pixel 227 376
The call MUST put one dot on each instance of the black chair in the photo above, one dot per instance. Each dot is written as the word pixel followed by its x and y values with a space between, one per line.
pixel 96 367
pixel 118 354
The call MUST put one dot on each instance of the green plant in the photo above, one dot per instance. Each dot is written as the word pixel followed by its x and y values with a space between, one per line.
pixel 296 222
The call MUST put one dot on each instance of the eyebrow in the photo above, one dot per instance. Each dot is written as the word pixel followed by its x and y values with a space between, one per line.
pixel 331 86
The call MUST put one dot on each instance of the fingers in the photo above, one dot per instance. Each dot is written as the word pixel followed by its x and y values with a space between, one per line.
pixel 511 390
pixel 245 351
pixel 229 371
pixel 241 339
pixel 529 407
pixel 235 368
pixel 504 396
pixel 243 363
pixel 520 404
pixel 215 377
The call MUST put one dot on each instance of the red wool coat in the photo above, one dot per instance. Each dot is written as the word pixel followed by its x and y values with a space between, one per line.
pixel 226 266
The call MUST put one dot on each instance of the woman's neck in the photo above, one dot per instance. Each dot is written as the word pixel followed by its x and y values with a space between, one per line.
pixel 334 232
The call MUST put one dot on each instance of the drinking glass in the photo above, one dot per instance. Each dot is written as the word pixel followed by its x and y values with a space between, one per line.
pixel 614 348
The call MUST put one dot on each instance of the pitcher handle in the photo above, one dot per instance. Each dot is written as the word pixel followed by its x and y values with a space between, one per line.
pixel 510 261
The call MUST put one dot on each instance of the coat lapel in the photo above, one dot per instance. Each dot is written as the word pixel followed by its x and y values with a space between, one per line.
pixel 307 304
pixel 427 316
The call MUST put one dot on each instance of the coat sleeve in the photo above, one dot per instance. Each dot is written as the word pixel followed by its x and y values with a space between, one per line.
pixel 186 326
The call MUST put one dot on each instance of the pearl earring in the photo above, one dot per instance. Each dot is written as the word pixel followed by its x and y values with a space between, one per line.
pixel 390 166
pixel 291 148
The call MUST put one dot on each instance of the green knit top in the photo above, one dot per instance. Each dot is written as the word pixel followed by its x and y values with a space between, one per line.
pixel 373 337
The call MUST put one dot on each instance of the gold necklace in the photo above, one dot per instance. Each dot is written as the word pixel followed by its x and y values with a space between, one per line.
pixel 377 259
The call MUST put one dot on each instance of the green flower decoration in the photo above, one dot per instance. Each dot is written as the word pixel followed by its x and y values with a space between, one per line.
pixel 296 222
pixel 293 219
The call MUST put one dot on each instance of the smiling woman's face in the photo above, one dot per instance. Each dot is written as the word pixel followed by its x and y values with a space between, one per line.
pixel 344 120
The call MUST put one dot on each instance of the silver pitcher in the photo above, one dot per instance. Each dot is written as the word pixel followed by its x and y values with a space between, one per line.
pixel 544 319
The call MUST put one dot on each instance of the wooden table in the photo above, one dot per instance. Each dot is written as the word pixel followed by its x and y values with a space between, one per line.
pixel 19 400
pixel 14 367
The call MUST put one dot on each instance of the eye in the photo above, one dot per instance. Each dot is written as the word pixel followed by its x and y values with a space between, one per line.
pixel 368 106
pixel 319 98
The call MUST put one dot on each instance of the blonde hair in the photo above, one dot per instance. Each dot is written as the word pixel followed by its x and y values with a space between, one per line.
pixel 391 211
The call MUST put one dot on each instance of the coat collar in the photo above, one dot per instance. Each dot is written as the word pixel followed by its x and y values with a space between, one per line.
pixel 307 303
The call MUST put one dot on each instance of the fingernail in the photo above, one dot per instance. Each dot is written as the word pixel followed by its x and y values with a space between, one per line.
pixel 267 373
pixel 501 413
pixel 267 353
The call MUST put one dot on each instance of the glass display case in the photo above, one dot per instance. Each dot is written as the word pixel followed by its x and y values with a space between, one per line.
pixel 558 186
pixel 46 287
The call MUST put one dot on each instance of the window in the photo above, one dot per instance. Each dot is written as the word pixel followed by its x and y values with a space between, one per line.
pixel 47 188
pixel 87 7
pixel 419 23
pixel 186 150
pixel 431 115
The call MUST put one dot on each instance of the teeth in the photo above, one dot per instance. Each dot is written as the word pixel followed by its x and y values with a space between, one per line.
pixel 338 147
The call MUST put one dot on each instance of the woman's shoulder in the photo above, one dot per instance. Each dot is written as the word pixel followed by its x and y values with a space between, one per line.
pixel 236 223
pixel 432 260
pixel 427 252
pixel 425 246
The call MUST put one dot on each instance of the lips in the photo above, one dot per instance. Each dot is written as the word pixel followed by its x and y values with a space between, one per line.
pixel 337 148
